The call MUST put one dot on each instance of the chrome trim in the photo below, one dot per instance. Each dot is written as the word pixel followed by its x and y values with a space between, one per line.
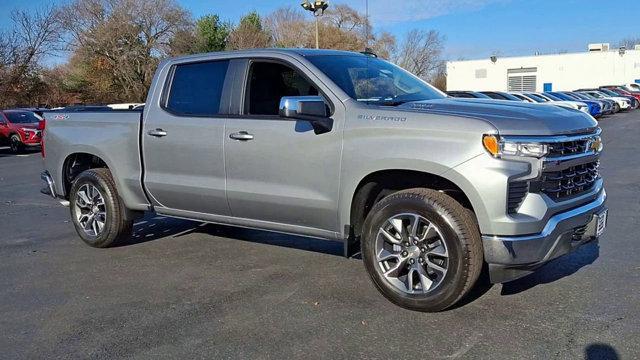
pixel 551 139
pixel 553 222
pixel 49 180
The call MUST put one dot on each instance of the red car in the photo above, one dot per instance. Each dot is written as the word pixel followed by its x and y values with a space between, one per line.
pixel 21 129
pixel 623 92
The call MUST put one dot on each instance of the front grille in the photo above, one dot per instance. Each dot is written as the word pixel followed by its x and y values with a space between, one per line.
pixel 571 182
pixel 565 148
pixel 517 191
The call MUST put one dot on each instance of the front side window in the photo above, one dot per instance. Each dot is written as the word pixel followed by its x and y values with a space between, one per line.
pixel 196 88
pixel 373 80
pixel 269 82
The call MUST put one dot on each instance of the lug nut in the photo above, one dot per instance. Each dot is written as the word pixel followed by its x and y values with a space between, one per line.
pixel 411 261
pixel 421 260
pixel 407 243
pixel 404 253
pixel 423 249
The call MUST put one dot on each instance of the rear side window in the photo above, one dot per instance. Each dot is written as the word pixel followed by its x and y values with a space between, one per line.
pixel 196 89
pixel 21 117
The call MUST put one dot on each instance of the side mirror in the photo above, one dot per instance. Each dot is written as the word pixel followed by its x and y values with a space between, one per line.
pixel 309 108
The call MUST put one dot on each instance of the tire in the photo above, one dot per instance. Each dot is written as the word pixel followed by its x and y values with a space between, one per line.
pixel 616 108
pixel 16 145
pixel 455 229
pixel 112 213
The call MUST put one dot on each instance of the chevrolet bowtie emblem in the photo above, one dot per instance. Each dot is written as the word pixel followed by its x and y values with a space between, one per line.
pixel 595 144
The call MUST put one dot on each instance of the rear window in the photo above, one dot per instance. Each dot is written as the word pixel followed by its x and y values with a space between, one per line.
pixel 196 89
pixel 21 117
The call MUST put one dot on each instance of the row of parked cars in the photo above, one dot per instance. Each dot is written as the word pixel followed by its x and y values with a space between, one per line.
pixel 21 129
pixel 598 102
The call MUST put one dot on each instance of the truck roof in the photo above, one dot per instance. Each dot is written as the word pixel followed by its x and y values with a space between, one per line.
pixel 289 51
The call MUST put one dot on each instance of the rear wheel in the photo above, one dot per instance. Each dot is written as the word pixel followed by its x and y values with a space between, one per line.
pixel 97 212
pixel 422 249
pixel 16 144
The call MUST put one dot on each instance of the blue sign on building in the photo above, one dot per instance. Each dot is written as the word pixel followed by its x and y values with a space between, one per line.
pixel 548 87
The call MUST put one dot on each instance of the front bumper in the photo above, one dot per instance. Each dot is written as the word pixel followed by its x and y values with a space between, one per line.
pixel 511 257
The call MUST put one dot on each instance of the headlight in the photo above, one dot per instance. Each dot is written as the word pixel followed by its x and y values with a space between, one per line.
pixel 498 147
pixel 28 132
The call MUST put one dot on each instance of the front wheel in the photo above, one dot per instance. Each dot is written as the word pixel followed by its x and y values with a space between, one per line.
pixel 422 249
pixel 97 212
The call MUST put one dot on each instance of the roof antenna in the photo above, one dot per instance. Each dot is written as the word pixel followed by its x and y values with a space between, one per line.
pixel 367 50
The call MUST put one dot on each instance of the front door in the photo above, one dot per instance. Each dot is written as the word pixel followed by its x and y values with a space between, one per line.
pixel 278 169
pixel 183 140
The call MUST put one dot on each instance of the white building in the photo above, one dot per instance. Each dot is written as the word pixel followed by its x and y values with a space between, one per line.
pixel 600 66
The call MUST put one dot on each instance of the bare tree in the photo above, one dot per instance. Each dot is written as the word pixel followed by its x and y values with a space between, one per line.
pixel 289 28
pixel 122 41
pixel 629 43
pixel 33 36
pixel 421 53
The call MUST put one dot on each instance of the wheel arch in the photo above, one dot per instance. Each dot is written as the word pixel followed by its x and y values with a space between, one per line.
pixel 375 185
pixel 77 162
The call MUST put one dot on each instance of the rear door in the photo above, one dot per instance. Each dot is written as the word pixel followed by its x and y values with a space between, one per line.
pixel 282 172
pixel 183 136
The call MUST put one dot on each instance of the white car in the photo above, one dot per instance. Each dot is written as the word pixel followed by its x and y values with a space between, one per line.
pixel 632 87
pixel 124 106
pixel 544 100
pixel 623 103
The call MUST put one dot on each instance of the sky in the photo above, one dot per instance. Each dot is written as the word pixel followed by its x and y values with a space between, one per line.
pixel 473 29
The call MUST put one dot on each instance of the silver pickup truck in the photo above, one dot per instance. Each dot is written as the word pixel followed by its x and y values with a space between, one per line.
pixel 339 145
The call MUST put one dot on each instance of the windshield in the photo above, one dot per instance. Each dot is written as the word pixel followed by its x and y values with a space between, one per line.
pixel 552 97
pixel 373 80
pixel 609 92
pixel 19 117
pixel 579 96
pixel 536 97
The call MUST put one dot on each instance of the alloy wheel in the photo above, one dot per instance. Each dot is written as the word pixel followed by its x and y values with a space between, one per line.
pixel 411 253
pixel 90 210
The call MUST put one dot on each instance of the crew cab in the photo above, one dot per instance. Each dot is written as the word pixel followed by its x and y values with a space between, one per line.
pixel 20 129
pixel 339 145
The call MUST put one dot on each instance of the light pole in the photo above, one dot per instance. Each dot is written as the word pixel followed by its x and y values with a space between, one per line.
pixel 317 7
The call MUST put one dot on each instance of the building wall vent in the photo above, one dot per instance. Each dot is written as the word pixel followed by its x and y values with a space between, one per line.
pixel 481 73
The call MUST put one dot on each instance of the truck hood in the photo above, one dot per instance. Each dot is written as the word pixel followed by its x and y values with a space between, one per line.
pixel 511 117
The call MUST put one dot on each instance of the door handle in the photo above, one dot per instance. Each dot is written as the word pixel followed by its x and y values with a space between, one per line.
pixel 157 133
pixel 241 135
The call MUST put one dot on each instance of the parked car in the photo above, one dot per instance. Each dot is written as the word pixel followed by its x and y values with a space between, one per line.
pixel 608 108
pixel 500 95
pixel 81 108
pixel 523 98
pixel 595 107
pixel 467 94
pixel 634 102
pixel 428 188
pixel 575 105
pixel 622 91
pixel 621 103
pixel 20 129
pixel 632 87
pixel 540 99
pixel 124 106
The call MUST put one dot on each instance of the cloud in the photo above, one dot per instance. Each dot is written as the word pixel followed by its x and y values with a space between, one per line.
pixel 390 11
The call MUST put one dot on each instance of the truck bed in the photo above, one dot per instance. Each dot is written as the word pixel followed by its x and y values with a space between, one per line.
pixel 112 136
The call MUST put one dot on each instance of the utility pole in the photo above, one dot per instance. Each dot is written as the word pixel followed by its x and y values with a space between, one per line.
pixel 317 7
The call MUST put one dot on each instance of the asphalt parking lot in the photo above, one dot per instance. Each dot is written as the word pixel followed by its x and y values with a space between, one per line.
pixel 185 289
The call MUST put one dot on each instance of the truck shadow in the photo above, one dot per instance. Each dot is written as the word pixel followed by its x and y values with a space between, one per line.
pixel 555 269
pixel 154 227
pixel 5 151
